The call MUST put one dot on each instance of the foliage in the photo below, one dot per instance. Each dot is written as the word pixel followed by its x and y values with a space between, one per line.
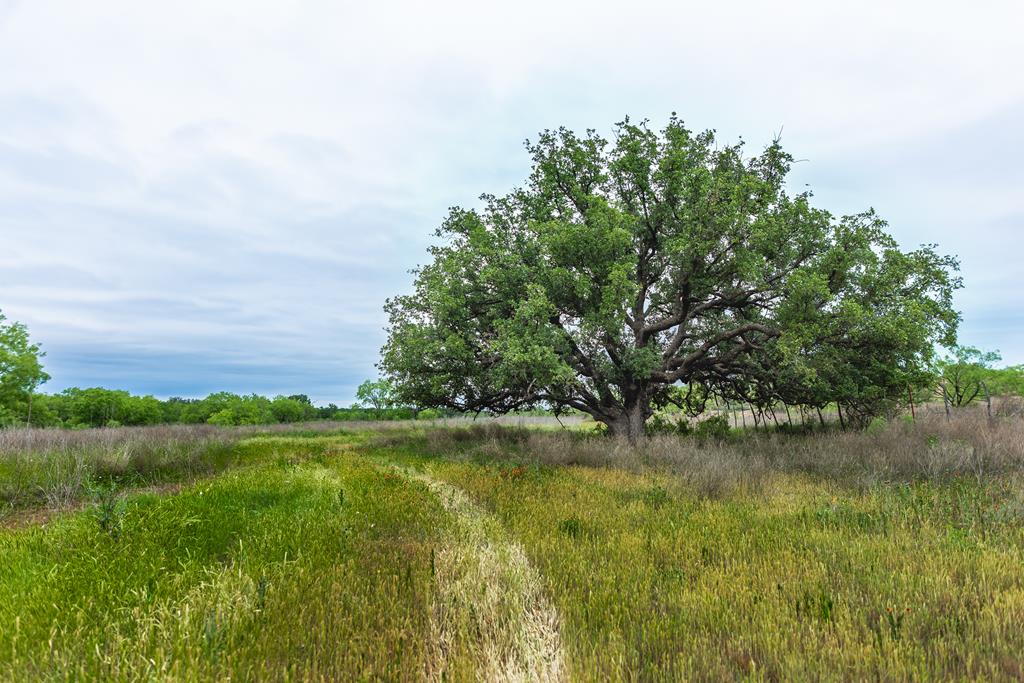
pixel 1007 381
pixel 378 394
pixel 97 407
pixel 964 374
pixel 664 422
pixel 387 414
pixel 292 409
pixel 21 371
pixel 715 427
pixel 622 270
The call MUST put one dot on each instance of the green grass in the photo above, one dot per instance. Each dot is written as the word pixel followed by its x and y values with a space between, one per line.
pixel 312 557
pixel 800 581
pixel 309 565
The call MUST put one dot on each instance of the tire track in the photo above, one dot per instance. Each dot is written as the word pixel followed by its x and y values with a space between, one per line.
pixel 490 596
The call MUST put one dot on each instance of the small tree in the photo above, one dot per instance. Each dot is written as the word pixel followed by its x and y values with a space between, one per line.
pixel 962 375
pixel 378 394
pixel 21 371
pixel 622 270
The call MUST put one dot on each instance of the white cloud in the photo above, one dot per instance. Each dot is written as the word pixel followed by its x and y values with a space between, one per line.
pixel 198 176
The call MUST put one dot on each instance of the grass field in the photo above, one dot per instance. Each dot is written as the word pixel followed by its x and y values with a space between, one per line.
pixel 513 554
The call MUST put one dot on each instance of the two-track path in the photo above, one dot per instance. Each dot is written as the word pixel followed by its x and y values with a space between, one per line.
pixel 488 590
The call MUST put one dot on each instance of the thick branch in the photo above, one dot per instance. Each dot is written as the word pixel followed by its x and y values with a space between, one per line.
pixel 678 368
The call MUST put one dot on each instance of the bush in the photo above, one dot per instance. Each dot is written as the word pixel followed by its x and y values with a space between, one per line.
pixel 661 424
pixel 877 424
pixel 715 427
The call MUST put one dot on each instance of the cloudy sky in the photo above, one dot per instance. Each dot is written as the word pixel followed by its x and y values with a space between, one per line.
pixel 198 196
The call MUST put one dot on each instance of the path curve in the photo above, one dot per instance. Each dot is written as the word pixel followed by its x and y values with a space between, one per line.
pixel 487 588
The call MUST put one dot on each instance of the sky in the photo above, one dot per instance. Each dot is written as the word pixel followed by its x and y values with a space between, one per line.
pixel 204 196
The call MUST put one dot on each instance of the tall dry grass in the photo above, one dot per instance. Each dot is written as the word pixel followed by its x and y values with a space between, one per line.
pixel 928 449
pixel 57 467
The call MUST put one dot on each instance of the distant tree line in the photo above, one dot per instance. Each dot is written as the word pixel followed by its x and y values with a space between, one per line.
pixel 21 374
pixel 98 407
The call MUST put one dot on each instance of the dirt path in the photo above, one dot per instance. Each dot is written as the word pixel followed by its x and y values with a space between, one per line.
pixel 490 595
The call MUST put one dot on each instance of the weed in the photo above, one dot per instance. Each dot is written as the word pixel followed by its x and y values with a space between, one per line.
pixel 817 605
pixel 571 527
pixel 655 497
pixel 109 509
pixel 894 619
pixel 261 593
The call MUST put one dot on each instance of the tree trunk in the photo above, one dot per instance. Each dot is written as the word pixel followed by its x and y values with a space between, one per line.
pixel 629 422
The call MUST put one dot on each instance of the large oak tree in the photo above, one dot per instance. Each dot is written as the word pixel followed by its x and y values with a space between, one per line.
pixel 661 259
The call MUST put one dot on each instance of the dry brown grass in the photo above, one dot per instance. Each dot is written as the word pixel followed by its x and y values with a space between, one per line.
pixel 56 468
pixel 929 449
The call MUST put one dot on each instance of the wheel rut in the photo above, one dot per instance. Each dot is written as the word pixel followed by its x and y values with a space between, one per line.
pixel 488 594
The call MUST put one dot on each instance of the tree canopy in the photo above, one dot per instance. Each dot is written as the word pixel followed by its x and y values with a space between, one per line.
pixel 378 394
pixel 21 371
pixel 964 374
pixel 622 269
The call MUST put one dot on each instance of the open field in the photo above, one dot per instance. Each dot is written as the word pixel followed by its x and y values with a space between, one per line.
pixel 49 470
pixel 503 553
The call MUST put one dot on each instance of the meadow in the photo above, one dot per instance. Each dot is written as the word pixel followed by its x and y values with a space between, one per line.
pixel 496 552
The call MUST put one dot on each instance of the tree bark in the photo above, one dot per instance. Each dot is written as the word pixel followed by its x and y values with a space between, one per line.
pixel 630 421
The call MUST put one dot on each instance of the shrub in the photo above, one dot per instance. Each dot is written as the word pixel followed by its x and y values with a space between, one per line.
pixel 877 424
pixel 663 424
pixel 715 427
